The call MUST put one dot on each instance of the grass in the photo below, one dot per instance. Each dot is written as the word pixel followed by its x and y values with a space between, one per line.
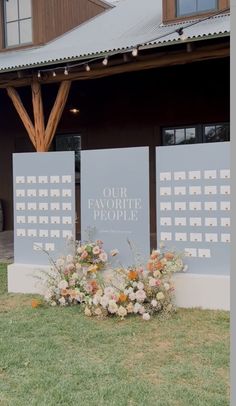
pixel 57 356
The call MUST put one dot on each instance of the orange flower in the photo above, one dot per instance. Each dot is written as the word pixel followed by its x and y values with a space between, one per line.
pixel 133 275
pixel 35 303
pixel 169 256
pixel 73 294
pixel 64 292
pixel 159 266
pixel 122 297
pixel 150 266
pixel 94 286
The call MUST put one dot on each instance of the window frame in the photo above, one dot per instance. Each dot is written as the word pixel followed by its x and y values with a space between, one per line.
pixel 169 11
pixel 197 12
pixel 5 23
pixel 200 133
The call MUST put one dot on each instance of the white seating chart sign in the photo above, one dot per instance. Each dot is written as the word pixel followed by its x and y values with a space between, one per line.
pixel 193 204
pixel 115 199
pixel 44 205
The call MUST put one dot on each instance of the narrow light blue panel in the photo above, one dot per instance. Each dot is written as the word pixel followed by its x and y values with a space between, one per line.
pixel 44 205
pixel 115 199
pixel 193 204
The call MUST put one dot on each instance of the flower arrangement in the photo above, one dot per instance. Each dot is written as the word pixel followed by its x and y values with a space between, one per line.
pixel 73 278
pixel 144 292
pixel 77 279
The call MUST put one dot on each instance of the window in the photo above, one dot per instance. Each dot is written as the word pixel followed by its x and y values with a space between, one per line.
pixel 70 142
pixel 177 136
pixel 217 132
pixel 190 7
pixel 18 22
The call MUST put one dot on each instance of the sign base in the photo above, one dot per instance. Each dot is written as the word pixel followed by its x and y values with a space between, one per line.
pixel 25 278
pixel 204 291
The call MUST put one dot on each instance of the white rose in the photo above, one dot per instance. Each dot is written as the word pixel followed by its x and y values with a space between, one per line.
pixel 137 307
pixel 109 291
pixel 154 303
pixel 104 301
pixel 62 301
pixel 63 284
pixel 140 295
pixel 96 300
pixel 156 274
pixel 53 303
pixel 130 308
pixel 135 284
pixel 160 296
pixel 132 296
pixel 140 285
pixel 166 286
pixel 130 290
pixel 122 312
pixel 146 316
pixel 141 310
pixel 152 282
pixel 112 306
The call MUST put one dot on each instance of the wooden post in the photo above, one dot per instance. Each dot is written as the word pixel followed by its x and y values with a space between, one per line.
pixel 56 112
pixel 16 100
pixel 41 138
pixel 38 117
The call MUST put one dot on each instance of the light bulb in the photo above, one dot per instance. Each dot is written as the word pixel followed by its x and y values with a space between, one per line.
pixel 87 68
pixel 54 74
pixel 39 74
pixel 105 61
pixel 135 52
pixel 66 71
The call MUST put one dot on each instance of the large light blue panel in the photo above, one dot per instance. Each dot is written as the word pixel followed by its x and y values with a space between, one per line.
pixel 44 205
pixel 193 204
pixel 115 199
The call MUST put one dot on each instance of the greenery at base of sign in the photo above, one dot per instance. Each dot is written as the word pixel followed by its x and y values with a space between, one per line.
pixel 88 278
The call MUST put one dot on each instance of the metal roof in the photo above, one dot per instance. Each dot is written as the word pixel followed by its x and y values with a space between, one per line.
pixel 129 23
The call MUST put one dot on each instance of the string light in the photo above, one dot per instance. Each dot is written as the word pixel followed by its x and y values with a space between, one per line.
pixel 105 61
pixel 181 33
pixel 135 51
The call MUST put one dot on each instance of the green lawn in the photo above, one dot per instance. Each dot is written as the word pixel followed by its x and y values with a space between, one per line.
pixel 56 356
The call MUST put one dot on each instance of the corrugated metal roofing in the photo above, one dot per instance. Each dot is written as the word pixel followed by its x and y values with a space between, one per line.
pixel 130 23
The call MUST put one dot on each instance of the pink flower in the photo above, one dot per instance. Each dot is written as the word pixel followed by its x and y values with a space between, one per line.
pixel 146 316
pixel 158 282
pixel 140 295
pixel 103 257
pixel 96 250
pixel 84 255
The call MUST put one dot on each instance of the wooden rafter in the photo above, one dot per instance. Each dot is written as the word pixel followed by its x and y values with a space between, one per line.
pixel 143 62
pixel 40 137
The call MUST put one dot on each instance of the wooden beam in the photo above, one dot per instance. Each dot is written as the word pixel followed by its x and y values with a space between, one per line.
pixel 16 100
pixel 38 116
pixel 56 112
pixel 143 62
